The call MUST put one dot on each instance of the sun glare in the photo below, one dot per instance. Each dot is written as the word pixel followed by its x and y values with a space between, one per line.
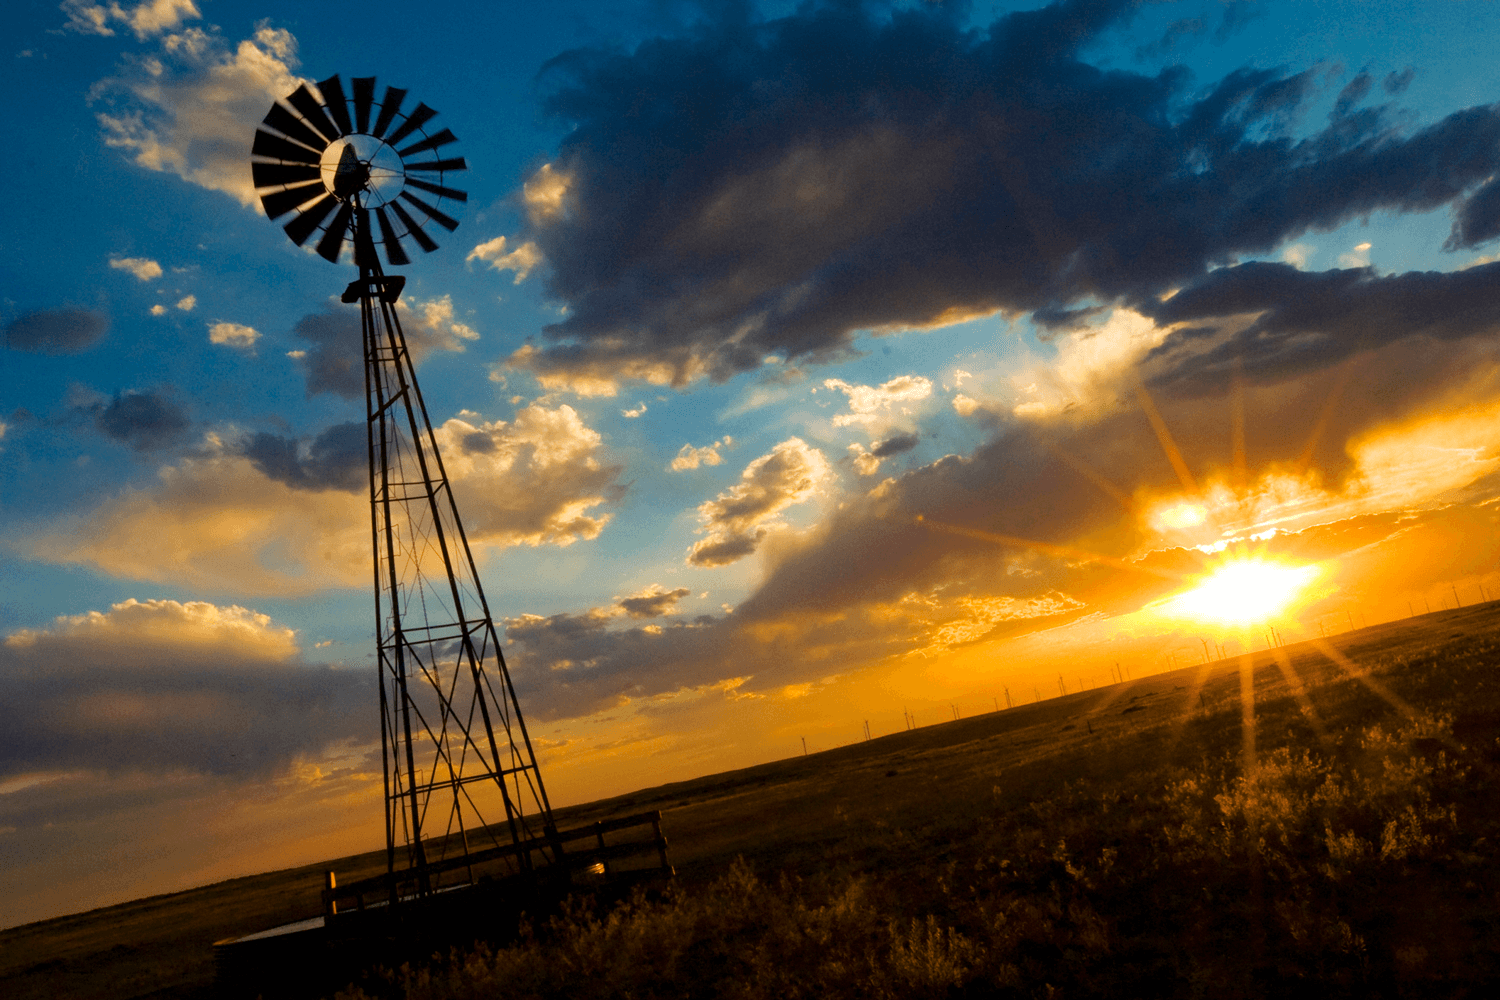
pixel 1242 591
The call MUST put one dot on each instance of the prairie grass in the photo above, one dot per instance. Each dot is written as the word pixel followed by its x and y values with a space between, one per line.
pixel 1110 843
pixel 1355 857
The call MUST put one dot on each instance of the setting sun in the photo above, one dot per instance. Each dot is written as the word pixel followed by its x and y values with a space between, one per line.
pixel 1241 591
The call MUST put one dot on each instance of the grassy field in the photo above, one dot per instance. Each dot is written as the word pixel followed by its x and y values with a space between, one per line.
pixel 1108 843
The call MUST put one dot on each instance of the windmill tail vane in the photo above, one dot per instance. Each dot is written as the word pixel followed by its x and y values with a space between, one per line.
pixel 460 774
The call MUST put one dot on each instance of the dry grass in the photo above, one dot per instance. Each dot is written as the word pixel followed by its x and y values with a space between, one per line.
pixel 1008 854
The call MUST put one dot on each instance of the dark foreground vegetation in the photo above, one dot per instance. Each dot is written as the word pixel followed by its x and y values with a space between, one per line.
pixel 1111 843
pixel 1355 857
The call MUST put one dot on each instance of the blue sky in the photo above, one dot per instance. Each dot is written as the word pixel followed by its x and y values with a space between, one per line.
pixel 739 291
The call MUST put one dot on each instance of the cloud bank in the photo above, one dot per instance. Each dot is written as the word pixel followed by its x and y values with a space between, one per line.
pixel 849 167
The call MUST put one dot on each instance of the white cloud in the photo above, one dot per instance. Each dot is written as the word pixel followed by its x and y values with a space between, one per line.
pixel 865 463
pixel 531 481
pixel 545 193
pixel 187 302
pixel 1297 255
pixel 689 457
pixel 192 111
pixel 964 405
pixel 147 18
pixel 158 310
pixel 435 319
pixel 142 267
pixel 520 260
pixel 740 518
pixel 639 410
pixel 233 335
pixel 870 406
pixel 1358 257
pixel 1093 368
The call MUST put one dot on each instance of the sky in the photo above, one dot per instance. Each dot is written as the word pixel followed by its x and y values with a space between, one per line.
pixel 796 366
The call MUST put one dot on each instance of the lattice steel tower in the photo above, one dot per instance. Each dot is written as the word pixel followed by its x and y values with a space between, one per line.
pixel 462 787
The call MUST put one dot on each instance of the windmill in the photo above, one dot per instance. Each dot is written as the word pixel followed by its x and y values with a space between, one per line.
pixel 462 784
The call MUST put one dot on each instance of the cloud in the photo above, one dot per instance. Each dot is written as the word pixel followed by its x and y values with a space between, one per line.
pixel 964 405
pixel 163 686
pixel 338 459
pixel 263 516
pixel 870 406
pixel 856 167
pixel 187 302
pixel 158 310
pixel 145 19
pixel 146 421
pixel 143 268
pixel 531 481
pixel 738 520
pixel 56 331
pixel 653 602
pixel 1092 369
pixel 639 410
pixel 233 335
pixel 216 522
pixel 520 260
pixel 894 445
pixel 188 110
pixel 1271 321
pixel 689 457
pixel 334 360
pixel 867 461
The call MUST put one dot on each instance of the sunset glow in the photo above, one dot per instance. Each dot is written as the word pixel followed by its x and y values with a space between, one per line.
pixel 1244 591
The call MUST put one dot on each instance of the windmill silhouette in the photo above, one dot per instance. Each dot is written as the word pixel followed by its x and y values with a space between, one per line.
pixel 462 786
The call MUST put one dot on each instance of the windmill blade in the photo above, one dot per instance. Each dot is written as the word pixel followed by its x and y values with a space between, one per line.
pixel 278 203
pixel 441 139
pixel 437 189
pixel 447 222
pixel 415 230
pixel 389 106
pixel 337 105
pixel 421 116
pixel 393 251
pixel 293 127
pixel 275 174
pixel 303 100
pixel 277 148
pixel 440 165
pixel 300 228
pixel 364 96
pixel 333 238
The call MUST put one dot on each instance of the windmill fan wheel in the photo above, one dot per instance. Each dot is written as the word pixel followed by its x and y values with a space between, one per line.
pixel 355 170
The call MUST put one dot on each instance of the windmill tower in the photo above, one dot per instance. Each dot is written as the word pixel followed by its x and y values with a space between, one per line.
pixel 462 787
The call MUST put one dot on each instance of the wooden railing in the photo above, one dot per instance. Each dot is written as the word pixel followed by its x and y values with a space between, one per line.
pixel 598 857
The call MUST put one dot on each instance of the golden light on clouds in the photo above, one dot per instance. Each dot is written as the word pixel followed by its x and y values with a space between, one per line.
pixel 1242 591
pixel 1178 516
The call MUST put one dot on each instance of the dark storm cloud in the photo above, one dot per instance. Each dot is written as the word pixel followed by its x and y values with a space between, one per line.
pixel 56 331
pixel 334 361
pixel 336 459
pixel 654 602
pixel 1309 320
pixel 144 420
pixel 893 445
pixel 769 188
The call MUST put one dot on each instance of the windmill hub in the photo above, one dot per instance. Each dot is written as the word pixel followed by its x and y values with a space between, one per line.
pixel 362 164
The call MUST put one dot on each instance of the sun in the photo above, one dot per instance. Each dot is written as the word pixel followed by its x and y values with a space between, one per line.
pixel 1243 590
